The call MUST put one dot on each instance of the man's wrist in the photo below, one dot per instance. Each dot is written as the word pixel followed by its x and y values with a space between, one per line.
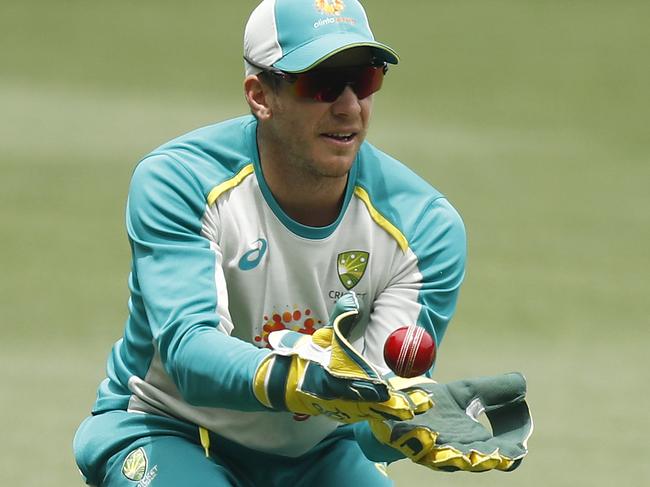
pixel 270 381
pixel 372 448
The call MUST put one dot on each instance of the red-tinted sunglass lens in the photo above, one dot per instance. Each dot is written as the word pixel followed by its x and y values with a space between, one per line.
pixel 329 94
pixel 369 81
pixel 327 86
pixel 319 86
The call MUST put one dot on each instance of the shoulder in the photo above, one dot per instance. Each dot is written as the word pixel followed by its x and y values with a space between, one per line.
pixel 403 198
pixel 203 158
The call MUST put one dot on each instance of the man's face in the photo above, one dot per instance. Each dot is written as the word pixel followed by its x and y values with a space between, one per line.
pixel 321 139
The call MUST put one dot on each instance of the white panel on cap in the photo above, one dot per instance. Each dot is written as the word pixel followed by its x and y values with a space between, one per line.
pixel 261 37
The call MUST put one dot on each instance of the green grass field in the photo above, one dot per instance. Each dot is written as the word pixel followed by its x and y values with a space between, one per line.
pixel 532 116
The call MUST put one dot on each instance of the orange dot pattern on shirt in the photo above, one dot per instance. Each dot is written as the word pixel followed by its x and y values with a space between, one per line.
pixel 301 321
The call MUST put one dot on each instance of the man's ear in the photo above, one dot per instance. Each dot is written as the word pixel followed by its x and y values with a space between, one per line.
pixel 258 97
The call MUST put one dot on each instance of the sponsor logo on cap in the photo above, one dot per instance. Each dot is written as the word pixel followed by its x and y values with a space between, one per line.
pixel 330 7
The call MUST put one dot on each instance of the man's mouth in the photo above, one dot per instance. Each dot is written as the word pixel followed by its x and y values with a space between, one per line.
pixel 340 136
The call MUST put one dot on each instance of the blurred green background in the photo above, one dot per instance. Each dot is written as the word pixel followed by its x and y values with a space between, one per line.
pixel 532 116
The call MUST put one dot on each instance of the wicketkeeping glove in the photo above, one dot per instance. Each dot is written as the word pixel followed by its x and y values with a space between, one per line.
pixel 448 436
pixel 323 374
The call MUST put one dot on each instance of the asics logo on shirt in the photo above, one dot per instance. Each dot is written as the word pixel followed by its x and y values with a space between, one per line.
pixel 252 258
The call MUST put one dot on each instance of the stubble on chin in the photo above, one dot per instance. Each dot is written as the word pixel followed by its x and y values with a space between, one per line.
pixel 330 167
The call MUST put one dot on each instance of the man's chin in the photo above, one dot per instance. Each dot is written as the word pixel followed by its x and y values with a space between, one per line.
pixel 336 168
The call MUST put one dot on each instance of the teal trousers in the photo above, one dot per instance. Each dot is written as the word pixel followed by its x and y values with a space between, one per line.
pixel 121 449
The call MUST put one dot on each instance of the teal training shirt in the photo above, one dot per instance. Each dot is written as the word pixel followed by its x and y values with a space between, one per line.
pixel 217 265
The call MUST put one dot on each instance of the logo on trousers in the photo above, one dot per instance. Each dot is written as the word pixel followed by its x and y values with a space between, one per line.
pixel 135 465
pixel 252 258
pixel 135 468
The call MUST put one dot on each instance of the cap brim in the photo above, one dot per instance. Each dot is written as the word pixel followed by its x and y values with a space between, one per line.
pixel 315 52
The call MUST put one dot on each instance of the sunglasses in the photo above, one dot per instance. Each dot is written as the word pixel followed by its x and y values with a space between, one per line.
pixel 327 84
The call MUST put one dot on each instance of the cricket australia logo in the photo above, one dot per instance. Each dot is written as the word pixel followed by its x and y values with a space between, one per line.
pixel 135 465
pixel 351 266
pixel 135 468
pixel 330 7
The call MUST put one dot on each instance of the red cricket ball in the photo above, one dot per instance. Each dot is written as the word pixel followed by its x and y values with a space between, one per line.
pixel 409 351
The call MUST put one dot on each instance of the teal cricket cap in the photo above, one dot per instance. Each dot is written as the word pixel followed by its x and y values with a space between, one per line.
pixel 296 35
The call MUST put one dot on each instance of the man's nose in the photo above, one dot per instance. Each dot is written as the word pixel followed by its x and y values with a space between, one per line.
pixel 347 103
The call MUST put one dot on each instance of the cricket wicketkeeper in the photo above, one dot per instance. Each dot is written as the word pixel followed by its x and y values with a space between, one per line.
pixel 286 219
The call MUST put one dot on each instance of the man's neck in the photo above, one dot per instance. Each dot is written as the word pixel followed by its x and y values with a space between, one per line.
pixel 309 199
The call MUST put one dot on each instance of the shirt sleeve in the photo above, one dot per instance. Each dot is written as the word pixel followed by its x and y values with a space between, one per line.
pixel 425 281
pixel 175 268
